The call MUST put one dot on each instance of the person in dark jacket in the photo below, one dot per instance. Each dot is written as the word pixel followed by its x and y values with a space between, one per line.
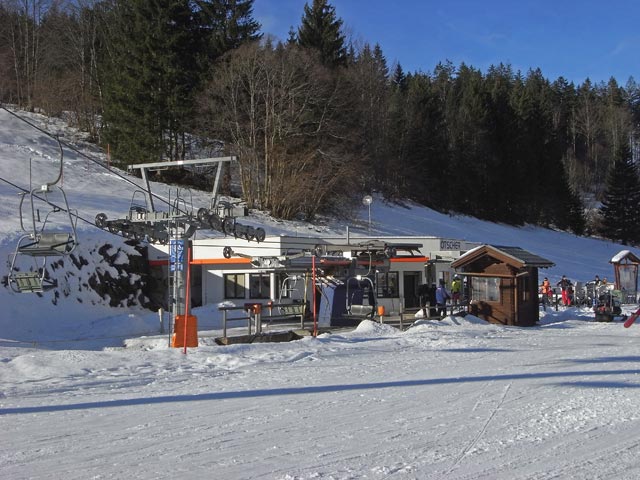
pixel 441 299
pixel 432 300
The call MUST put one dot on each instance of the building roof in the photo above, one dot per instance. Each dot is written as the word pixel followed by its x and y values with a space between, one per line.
pixel 625 255
pixel 513 255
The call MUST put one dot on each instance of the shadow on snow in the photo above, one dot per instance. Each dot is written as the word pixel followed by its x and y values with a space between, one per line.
pixel 336 388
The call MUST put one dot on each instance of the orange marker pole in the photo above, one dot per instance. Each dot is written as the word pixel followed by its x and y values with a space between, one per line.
pixel 186 297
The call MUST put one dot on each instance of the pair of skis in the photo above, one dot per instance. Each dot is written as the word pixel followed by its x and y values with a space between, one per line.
pixel 632 319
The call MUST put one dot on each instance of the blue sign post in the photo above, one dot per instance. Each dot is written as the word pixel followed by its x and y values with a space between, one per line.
pixel 176 255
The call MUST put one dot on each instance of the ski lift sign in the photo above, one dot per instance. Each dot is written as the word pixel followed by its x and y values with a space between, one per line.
pixel 176 255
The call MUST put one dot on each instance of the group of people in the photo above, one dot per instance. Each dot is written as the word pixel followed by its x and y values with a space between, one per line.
pixel 439 296
pixel 566 289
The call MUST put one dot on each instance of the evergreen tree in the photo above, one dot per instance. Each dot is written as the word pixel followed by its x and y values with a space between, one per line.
pixel 503 158
pixel 370 83
pixel 423 151
pixel 158 52
pixel 471 166
pixel 620 209
pixel 321 30
pixel 399 79
pixel 225 25
pixel 564 104
pixel 149 79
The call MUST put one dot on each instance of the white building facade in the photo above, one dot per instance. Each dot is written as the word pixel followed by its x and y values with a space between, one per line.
pixel 350 271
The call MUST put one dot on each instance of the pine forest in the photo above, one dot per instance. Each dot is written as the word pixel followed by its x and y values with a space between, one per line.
pixel 317 120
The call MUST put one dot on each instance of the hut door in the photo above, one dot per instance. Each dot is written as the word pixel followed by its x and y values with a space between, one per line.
pixel 628 275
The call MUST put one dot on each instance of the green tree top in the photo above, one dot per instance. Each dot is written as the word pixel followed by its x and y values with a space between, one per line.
pixel 226 24
pixel 321 29
pixel 620 209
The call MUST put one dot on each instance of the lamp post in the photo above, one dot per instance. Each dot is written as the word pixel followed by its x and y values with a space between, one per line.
pixel 367 200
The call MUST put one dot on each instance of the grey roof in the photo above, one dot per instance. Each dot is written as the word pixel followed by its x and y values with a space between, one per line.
pixel 527 258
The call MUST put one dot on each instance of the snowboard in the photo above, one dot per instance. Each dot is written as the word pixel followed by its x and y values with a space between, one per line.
pixel 631 319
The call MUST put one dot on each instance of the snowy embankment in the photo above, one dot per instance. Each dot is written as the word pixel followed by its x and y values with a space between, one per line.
pixel 456 399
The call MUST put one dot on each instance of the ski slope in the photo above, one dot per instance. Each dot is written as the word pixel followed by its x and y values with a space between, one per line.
pixel 92 392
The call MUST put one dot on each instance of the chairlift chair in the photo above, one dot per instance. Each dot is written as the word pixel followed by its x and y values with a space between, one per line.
pixel 41 242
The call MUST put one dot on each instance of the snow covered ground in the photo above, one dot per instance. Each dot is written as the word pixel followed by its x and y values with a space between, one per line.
pixel 92 392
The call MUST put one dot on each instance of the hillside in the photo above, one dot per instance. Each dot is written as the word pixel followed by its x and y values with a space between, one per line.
pixel 92 391
pixel 92 189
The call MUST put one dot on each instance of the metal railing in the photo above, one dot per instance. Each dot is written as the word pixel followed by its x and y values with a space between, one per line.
pixel 255 316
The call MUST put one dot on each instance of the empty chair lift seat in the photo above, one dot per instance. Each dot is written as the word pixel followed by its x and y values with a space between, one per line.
pixel 48 244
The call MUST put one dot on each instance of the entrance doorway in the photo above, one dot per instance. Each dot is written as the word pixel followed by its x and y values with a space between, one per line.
pixel 411 280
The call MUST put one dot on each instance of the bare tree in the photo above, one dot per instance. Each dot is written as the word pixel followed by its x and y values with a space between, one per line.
pixel 280 111
pixel 25 44
pixel 81 44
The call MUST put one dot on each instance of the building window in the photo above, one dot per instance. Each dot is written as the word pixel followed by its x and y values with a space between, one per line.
pixel 234 285
pixel 259 285
pixel 387 285
pixel 485 289
pixel 524 286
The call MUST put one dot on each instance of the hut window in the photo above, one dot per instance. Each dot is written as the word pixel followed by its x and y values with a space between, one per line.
pixel 234 285
pixel 387 284
pixel 524 288
pixel 485 289
pixel 259 285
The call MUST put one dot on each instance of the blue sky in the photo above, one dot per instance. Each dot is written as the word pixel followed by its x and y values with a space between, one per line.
pixel 569 38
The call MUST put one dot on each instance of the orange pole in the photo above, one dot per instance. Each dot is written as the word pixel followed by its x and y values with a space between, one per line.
pixel 186 297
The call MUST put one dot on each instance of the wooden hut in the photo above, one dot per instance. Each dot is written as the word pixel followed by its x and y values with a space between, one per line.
pixel 502 283
pixel 625 267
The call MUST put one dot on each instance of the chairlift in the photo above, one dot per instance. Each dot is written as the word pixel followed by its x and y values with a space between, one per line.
pixel 138 208
pixel 41 241
pixel 360 309
pixel 183 205
pixel 138 223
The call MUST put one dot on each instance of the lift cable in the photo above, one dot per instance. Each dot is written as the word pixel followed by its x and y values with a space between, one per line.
pixel 238 230
pixel 81 153
pixel 57 207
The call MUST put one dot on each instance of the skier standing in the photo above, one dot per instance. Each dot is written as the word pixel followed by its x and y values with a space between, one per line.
pixel 545 290
pixel 456 288
pixel 441 299
pixel 564 284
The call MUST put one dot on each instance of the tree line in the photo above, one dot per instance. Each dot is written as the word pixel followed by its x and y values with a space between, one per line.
pixel 318 120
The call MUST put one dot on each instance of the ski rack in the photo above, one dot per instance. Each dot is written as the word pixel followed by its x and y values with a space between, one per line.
pixel 41 243
pixel 144 222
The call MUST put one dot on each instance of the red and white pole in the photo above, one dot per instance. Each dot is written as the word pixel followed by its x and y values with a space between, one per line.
pixel 313 281
pixel 186 297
